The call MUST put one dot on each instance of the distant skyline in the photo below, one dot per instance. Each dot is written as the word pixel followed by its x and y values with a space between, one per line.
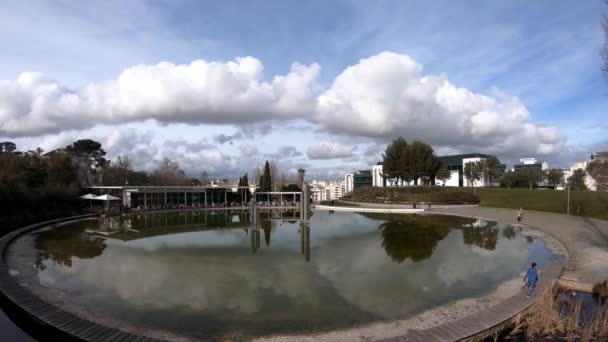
pixel 223 86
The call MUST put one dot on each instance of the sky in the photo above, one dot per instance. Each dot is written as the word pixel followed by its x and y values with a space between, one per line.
pixel 224 86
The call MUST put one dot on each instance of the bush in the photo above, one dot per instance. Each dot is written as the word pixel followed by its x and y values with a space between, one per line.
pixel 21 205
pixel 410 194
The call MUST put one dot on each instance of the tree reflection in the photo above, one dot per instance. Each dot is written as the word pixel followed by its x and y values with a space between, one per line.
pixel 61 245
pixel 267 227
pixel 509 232
pixel 411 237
pixel 484 237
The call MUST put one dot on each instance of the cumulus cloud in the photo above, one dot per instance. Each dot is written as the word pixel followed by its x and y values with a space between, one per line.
pixel 385 96
pixel 327 149
pixel 248 150
pixel 379 98
pixel 199 92
pixel 285 152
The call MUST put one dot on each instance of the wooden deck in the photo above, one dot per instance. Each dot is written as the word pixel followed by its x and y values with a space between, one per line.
pixel 492 317
pixel 62 325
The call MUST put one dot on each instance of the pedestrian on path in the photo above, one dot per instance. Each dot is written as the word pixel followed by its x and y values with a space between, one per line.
pixel 532 277
pixel 520 214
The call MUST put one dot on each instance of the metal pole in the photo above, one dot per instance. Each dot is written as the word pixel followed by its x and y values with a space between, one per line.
pixel 145 201
pixel 568 208
pixel 205 197
pixel 165 198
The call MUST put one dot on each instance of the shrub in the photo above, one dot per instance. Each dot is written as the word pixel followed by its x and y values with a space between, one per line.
pixel 419 194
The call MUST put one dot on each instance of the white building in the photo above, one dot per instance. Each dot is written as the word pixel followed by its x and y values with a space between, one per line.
pixel 317 194
pixel 348 183
pixel 589 181
pixel 455 164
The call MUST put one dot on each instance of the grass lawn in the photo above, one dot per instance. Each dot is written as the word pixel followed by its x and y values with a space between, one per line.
pixel 582 203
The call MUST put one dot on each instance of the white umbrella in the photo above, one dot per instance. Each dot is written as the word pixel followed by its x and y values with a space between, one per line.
pixel 107 198
pixel 89 197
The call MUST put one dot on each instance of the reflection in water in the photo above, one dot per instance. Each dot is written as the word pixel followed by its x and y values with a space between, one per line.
pixel 484 237
pixel 402 240
pixel 61 245
pixel 206 274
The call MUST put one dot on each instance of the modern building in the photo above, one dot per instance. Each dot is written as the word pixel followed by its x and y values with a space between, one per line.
pixel 600 156
pixel 454 163
pixel 362 179
pixel 318 194
pixel 348 183
pixel 377 176
pixel 530 164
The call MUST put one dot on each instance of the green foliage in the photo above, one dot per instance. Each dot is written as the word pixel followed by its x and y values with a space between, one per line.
pixel 410 194
pixel 473 171
pixel 443 174
pixel 265 179
pixel 61 170
pixel 410 162
pixel 554 177
pixel 291 188
pixel 577 180
pixel 598 169
pixel 394 164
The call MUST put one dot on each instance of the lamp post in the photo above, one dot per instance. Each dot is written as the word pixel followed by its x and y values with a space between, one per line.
pixel 568 207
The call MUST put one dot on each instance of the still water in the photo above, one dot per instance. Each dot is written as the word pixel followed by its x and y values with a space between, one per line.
pixel 210 275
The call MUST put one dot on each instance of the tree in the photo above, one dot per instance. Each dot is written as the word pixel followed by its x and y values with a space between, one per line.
pixel 598 169
pixel 508 179
pixel 532 176
pixel 554 177
pixel 89 158
pixel 168 173
pixel 265 179
pixel 291 188
pixel 393 166
pixel 490 168
pixel 577 180
pixel 443 174
pixel 422 161
pixel 7 147
pixel 472 172
pixel 204 178
pixel 61 170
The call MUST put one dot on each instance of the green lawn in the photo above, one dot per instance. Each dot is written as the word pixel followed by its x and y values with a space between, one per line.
pixel 582 203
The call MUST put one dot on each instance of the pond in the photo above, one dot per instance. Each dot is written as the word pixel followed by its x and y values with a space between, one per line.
pixel 209 274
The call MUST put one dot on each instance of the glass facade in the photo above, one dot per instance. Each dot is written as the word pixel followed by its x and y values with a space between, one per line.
pixel 362 178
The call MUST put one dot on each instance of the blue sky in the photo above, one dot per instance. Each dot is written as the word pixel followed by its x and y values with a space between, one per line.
pixel 513 78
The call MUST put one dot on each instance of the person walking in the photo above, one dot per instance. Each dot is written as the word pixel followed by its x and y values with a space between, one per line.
pixel 520 214
pixel 532 277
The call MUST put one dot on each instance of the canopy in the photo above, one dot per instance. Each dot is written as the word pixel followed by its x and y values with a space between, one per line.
pixel 88 196
pixel 106 198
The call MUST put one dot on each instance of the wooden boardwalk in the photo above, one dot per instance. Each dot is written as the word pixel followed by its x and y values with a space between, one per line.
pixel 492 317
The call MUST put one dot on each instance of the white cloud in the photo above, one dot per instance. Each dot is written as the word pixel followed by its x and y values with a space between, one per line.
pixel 373 101
pixel 327 149
pixel 199 92
pixel 248 150
pixel 386 96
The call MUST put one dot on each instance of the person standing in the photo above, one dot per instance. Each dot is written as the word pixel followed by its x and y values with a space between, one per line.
pixel 532 277
pixel 520 214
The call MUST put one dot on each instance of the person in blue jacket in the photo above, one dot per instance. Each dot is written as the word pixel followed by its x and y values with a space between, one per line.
pixel 532 277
